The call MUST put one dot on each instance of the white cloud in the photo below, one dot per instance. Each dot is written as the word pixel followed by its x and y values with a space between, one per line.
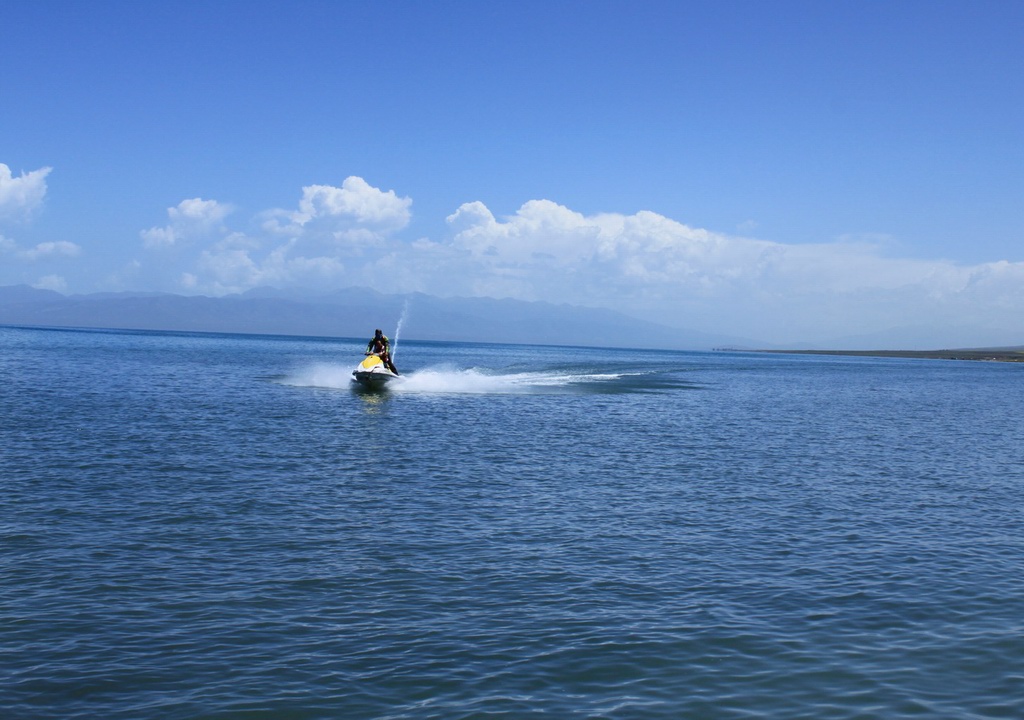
pixel 158 237
pixel 21 196
pixel 189 220
pixel 42 251
pixel 224 269
pixel 357 201
pixel 52 282
pixel 310 246
pixel 51 249
pixel 541 230
pixel 354 214
pixel 649 264
pixel 562 252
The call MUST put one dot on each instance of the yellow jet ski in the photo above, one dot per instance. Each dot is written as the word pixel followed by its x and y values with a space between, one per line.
pixel 372 372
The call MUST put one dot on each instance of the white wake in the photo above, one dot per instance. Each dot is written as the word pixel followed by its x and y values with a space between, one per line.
pixel 445 379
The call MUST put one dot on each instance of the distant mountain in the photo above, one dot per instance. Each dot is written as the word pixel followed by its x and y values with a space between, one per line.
pixel 13 294
pixel 351 312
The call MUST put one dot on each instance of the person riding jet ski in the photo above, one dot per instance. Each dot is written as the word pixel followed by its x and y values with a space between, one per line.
pixel 380 345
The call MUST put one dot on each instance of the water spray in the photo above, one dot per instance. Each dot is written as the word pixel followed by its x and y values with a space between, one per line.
pixel 398 330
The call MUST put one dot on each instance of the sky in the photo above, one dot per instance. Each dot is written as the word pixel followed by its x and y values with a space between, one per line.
pixel 786 171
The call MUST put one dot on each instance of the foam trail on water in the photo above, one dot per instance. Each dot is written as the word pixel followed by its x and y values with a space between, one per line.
pixel 450 380
pixel 446 379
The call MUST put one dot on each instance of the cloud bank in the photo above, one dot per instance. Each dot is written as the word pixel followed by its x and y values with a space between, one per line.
pixel 655 266
pixel 645 264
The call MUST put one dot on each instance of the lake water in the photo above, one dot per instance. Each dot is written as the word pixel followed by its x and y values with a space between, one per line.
pixel 215 526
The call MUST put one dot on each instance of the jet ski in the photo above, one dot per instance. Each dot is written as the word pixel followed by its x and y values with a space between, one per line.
pixel 372 372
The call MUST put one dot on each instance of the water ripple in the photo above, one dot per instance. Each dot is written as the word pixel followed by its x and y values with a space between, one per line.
pixel 793 539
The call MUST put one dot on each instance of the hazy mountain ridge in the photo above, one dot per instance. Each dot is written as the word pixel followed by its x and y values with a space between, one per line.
pixel 351 312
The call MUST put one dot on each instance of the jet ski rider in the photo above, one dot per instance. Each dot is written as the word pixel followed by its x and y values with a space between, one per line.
pixel 381 346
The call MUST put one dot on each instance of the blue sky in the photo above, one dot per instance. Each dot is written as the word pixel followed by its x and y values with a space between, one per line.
pixel 785 170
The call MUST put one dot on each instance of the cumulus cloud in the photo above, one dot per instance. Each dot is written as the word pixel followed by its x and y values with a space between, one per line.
pixel 549 246
pixel 189 220
pixel 42 251
pixel 50 249
pixel 310 245
pixel 650 264
pixel 355 199
pixel 355 213
pixel 541 230
pixel 21 196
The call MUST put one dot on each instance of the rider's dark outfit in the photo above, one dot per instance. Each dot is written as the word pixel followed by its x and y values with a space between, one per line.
pixel 380 345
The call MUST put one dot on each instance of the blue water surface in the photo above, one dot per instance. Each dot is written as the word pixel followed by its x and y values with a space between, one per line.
pixel 217 526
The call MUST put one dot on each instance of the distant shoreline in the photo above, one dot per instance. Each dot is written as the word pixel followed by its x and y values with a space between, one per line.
pixel 990 355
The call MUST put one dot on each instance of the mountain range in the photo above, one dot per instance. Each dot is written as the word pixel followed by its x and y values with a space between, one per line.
pixel 352 312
